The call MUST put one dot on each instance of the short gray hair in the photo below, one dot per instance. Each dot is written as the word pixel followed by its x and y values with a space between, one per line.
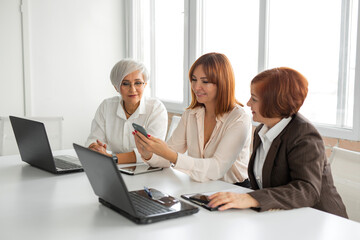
pixel 124 68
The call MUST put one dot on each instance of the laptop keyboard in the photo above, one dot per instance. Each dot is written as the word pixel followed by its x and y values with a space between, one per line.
pixel 62 164
pixel 146 207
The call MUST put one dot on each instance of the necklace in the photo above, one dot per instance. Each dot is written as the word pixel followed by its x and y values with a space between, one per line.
pixel 126 110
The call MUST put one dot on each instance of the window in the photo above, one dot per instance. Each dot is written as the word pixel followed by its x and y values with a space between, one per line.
pixel 317 38
pixel 312 45
pixel 160 45
pixel 234 32
pixel 323 49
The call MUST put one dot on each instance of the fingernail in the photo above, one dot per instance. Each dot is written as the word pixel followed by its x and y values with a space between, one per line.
pixel 149 135
pixel 133 133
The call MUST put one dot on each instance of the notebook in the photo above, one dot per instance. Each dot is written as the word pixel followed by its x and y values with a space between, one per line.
pixel 141 206
pixel 35 150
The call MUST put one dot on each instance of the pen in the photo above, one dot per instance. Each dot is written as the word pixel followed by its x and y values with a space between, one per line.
pixel 148 192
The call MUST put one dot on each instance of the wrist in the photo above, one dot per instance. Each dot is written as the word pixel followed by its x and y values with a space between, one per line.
pixel 147 158
pixel 172 156
pixel 252 201
pixel 115 158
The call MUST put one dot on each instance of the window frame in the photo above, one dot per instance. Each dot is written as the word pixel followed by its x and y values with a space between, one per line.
pixel 193 38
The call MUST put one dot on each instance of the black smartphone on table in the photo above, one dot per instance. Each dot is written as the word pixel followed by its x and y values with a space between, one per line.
pixel 200 199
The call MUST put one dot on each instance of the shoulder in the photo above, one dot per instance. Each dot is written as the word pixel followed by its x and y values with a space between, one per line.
pixel 301 129
pixel 109 103
pixel 238 114
pixel 152 103
pixel 302 125
pixel 193 112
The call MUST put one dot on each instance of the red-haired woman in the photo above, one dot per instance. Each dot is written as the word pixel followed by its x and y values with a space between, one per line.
pixel 215 131
pixel 288 167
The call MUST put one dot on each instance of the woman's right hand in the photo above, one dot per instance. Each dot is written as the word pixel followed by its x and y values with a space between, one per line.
pixel 232 200
pixel 99 147
pixel 145 154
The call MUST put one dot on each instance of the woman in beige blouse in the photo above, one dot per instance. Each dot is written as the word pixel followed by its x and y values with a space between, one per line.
pixel 212 139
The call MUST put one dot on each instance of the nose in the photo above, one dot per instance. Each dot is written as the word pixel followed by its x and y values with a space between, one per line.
pixel 196 85
pixel 132 87
pixel 248 102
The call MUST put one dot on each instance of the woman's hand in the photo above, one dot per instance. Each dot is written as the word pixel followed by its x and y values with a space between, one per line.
pixel 145 154
pixel 232 200
pixel 150 145
pixel 99 147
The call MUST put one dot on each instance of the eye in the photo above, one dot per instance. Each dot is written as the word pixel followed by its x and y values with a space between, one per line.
pixel 205 81
pixel 138 83
pixel 193 80
pixel 125 83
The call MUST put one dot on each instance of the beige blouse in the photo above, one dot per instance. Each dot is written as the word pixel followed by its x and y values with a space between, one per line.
pixel 224 157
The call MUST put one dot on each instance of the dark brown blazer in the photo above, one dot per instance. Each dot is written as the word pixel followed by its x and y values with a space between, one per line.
pixel 296 172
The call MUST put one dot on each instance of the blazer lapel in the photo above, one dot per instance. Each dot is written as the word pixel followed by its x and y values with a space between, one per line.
pixel 256 144
pixel 269 162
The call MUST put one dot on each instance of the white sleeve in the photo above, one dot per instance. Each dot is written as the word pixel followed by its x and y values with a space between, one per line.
pixel 156 125
pixel 97 127
pixel 157 122
pixel 177 142
pixel 230 146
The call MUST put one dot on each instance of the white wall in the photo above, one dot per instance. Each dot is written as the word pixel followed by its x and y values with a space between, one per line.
pixel 70 46
pixel 11 71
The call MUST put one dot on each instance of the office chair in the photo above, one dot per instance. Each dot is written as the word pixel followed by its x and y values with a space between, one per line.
pixel 345 167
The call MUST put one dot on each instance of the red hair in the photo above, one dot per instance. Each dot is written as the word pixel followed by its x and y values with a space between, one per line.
pixel 282 91
pixel 218 70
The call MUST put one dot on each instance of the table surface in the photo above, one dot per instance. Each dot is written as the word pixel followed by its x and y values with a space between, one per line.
pixel 35 204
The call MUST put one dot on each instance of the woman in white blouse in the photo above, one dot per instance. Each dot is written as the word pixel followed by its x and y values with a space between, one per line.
pixel 214 131
pixel 112 126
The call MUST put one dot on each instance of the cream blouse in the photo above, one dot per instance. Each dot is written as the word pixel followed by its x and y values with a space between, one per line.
pixel 226 154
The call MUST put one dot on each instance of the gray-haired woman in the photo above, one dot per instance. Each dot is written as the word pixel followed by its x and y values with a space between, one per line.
pixel 112 126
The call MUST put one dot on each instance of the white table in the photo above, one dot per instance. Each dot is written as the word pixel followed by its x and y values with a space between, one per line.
pixel 35 204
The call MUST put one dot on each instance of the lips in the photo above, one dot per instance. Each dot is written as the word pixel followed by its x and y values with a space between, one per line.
pixel 200 94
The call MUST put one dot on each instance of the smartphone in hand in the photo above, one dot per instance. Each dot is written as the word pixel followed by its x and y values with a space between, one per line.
pixel 140 129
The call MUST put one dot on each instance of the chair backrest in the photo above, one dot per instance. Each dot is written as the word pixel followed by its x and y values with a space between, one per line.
pixel 173 125
pixel 345 167
pixel 8 145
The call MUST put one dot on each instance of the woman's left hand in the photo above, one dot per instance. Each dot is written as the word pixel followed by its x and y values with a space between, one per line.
pixel 140 145
pixel 232 200
pixel 155 145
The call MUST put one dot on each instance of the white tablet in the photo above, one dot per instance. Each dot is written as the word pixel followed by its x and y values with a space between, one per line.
pixel 139 169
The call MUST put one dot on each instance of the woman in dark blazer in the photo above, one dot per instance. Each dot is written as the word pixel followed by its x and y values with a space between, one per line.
pixel 288 167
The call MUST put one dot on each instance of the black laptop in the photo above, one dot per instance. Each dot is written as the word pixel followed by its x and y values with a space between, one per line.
pixel 35 149
pixel 142 206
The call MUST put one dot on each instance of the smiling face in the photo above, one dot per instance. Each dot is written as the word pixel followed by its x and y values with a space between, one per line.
pixel 204 91
pixel 132 88
pixel 255 104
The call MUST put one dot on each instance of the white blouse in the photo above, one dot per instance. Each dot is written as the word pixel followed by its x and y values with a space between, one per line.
pixel 110 125
pixel 267 136
pixel 226 154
